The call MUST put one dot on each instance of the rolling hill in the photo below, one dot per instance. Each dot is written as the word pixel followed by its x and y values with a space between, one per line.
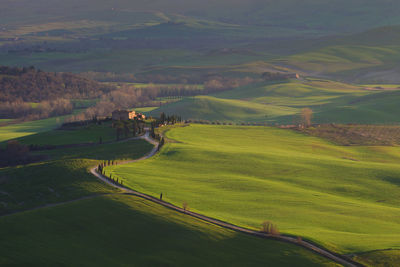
pixel 370 56
pixel 122 230
pixel 104 227
pixel 331 15
pixel 331 102
pixel 227 110
pixel 308 186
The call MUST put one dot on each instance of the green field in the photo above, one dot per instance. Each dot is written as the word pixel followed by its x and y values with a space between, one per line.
pixel 82 134
pixel 331 102
pixel 101 227
pixel 307 186
pixel 123 230
pixel 218 109
pixel 335 183
pixel 370 56
pixel 62 176
pixel 28 128
pixel 145 109
pixel 120 61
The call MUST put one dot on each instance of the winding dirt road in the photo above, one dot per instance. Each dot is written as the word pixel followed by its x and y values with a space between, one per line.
pixel 321 251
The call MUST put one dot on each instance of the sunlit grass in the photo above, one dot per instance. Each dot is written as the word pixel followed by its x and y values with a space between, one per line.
pixel 307 186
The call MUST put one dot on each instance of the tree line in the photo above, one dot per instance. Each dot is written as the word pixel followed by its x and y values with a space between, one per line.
pixel 33 111
pixel 30 93
pixel 209 86
pixel 100 169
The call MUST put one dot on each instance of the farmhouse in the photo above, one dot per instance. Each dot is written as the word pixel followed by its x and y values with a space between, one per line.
pixel 124 115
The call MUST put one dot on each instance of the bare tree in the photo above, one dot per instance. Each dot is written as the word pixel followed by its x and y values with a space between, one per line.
pixel 185 206
pixel 306 116
pixel 269 228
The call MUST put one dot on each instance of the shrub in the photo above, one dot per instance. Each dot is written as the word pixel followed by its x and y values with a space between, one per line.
pixel 269 228
pixel 185 206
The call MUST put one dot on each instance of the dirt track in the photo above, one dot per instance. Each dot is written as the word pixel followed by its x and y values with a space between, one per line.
pixel 324 252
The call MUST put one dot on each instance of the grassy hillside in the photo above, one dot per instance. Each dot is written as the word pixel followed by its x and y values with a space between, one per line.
pixel 370 56
pixel 214 109
pixel 331 102
pixel 121 60
pixel 85 134
pixel 62 176
pixel 307 186
pixel 28 128
pixel 106 228
pixel 351 62
pixel 124 231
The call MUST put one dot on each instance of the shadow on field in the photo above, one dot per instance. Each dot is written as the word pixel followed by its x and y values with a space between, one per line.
pixel 124 230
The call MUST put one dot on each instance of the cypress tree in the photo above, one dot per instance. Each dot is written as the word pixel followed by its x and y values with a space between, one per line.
pixel 134 126
pixel 162 118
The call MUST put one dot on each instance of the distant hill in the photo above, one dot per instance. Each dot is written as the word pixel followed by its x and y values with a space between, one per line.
pixel 331 102
pixel 368 57
pixel 134 36
pixel 328 15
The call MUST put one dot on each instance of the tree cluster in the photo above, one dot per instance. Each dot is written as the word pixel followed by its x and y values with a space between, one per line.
pixel 168 119
pixel 218 84
pixel 269 228
pixel 31 85
pixel 210 85
pixel 128 128
pixel 16 154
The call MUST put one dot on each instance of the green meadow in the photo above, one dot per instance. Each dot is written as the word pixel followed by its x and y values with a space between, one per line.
pixel 214 109
pixel 95 219
pixel 54 212
pixel 344 198
pixel 28 128
pixel 145 109
pixel 122 230
pixel 62 175
pixel 281 102
pixel 84 134
pixel 346 57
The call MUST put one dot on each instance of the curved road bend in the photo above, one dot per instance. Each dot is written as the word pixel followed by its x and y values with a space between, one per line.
pixel 324 252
